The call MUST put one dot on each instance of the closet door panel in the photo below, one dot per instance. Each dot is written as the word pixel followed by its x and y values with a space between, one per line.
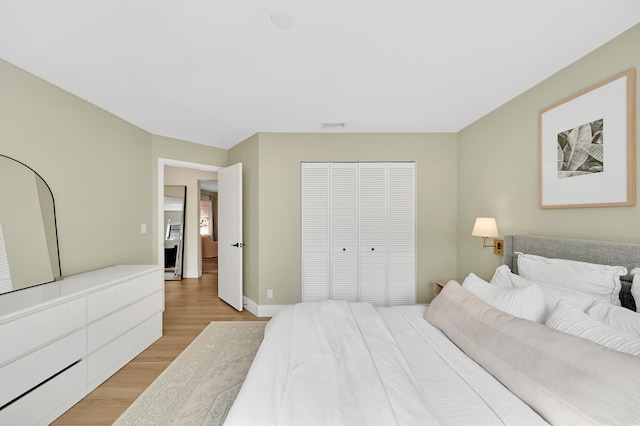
pixel 343 199
pixel 344 275
pixel 372 232
pixel 315 209
pixel 401 234
pixel 315 231
pixel 373 204
pixel 344 205
pixel 373 278
pixel 401 212
pixel 401 288
pixel 315 276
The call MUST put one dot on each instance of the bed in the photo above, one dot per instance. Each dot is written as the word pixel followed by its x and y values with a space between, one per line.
pixel 459 360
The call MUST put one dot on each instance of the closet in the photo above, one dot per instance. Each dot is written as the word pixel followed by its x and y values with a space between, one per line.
pixel 358 232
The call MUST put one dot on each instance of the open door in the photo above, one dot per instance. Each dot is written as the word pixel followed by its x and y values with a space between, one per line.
pixel 230 235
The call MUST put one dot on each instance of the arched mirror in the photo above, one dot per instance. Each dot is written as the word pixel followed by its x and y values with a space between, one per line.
pixel 28 237
pixel 175 197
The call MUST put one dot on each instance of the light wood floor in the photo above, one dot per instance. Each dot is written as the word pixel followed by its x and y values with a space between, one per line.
pixel 190 305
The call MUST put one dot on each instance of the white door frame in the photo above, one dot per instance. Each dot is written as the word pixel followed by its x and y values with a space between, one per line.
pixel 173 163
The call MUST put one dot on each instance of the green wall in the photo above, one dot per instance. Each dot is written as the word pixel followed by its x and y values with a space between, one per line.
pixel 276 206
pixel 96 164
pixel 498 165
pixel 101 169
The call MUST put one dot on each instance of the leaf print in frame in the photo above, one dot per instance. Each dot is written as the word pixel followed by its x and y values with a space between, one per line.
pixel 580 150
pixel 573 147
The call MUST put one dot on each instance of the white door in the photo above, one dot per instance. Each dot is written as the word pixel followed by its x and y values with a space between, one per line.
pixel 230 235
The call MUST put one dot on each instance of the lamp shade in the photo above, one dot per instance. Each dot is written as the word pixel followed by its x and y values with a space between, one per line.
pixel 485 227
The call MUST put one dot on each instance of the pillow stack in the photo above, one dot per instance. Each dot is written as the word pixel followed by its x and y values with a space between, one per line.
pixel 580 305
pixel 566 379
pixel 503 277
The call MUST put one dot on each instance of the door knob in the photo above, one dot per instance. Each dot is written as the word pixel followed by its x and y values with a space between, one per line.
pixel 238 245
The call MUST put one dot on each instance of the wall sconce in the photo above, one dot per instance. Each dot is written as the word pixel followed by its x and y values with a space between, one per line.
pixel 486 227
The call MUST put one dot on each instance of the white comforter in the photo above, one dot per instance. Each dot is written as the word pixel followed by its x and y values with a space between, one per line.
pixel 341 363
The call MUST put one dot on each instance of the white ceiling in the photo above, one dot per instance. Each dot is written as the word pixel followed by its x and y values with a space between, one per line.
pixel 216 72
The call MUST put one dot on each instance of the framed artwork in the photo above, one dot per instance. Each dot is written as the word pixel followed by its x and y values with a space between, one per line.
pixel 587 147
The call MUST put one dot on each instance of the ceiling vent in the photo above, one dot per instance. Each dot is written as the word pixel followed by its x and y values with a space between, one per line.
pixel 333 125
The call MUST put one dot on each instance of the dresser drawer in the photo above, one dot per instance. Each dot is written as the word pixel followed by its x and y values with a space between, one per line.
pixel 113 356
pixel 24 334
pixel 105 302
pixel 29 371
pixel 44 404
pixel 108 328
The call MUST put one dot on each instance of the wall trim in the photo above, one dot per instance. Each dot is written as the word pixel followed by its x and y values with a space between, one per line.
pixel 191 273
pixel 261 310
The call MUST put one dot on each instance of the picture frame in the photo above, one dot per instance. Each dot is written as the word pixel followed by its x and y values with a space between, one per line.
pixel 587 147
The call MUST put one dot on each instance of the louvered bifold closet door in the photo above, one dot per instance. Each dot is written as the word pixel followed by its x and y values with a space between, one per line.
pixel 372 232
pixel 315 231
pixel 401 234
pixel 358 232
pixel 343 235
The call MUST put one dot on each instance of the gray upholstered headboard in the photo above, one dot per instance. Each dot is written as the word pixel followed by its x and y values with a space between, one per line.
pixel 602 252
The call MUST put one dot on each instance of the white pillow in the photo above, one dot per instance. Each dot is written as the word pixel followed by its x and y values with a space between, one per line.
pixel 571 320
pixel 620 318
pixel 504 278
pixel 526 302
pixel 552 295
pixel 635 287
pixel 599 281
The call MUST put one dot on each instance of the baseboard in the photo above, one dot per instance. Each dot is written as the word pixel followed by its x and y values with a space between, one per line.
pixel 191 273
pixel 261 310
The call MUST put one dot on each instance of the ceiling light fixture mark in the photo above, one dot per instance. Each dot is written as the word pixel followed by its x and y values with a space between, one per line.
pixel 282 19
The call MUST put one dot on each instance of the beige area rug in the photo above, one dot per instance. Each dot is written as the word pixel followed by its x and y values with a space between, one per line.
pixel 200 385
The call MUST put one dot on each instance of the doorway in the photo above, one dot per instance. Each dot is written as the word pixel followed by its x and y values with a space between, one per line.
pixel 191 238
pixel 230 284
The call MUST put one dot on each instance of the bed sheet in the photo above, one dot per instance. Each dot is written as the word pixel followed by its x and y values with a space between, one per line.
pixel 348 363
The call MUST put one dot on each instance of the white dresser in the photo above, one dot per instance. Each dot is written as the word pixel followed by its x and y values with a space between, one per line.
pixel 59 341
